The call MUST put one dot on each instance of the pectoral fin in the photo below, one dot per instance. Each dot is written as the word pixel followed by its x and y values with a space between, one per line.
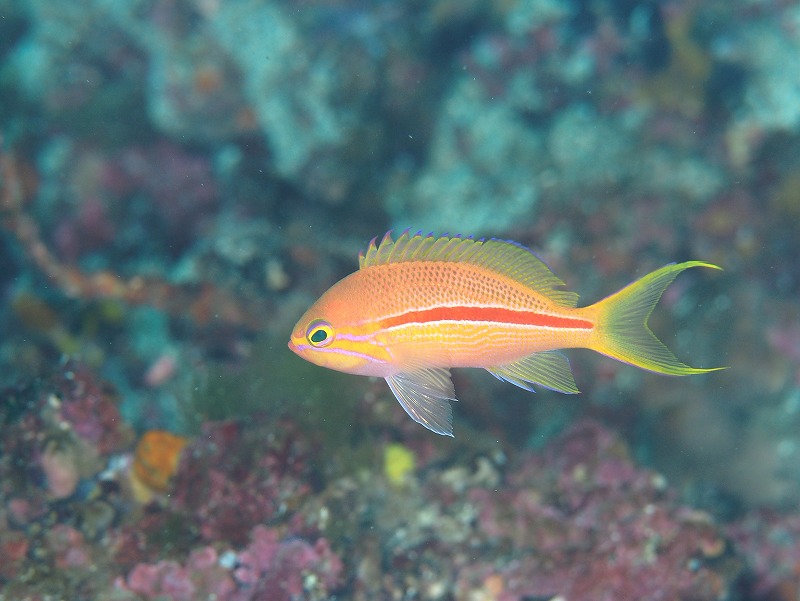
pixel 425 394
pixel 547 368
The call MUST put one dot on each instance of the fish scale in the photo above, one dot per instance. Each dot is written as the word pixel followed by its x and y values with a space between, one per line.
pixel 419 286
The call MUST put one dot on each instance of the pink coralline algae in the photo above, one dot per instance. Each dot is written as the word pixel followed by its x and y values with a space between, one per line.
pixel 200 578
pixel 86 407
pixel 770 544
pixel 268 569
pixel 174 188
pixel 64 431
pixel 68 547
pixel 60 472
pixel 14 549
pixel 227 480
pixel 180 185
pixel 586 524
pixel 90 229
pixel 271 568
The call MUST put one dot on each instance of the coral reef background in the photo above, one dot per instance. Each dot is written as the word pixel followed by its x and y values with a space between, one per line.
pixel 180 179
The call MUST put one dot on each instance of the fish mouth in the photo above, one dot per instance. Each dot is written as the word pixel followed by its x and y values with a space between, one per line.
pixel 293 348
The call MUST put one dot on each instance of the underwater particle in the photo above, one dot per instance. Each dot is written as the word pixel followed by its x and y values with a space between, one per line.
pixel 155 461
pixel 398 463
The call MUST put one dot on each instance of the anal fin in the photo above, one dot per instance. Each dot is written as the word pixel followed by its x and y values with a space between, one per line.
pixel 546 368
pixel 425 394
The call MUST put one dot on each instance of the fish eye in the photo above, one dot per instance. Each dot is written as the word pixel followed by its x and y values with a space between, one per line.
pixel 319 333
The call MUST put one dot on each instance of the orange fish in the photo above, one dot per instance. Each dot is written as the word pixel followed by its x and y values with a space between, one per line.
pixel 421 305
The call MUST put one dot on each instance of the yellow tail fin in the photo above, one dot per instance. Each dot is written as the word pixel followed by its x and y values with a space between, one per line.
pixel 622 332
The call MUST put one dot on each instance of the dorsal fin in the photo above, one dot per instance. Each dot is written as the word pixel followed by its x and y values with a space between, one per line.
pixel 508 258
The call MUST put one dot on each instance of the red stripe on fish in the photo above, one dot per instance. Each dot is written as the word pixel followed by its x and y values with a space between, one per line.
pixel 487 314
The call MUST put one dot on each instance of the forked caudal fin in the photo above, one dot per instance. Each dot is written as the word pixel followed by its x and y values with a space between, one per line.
pixel 622 332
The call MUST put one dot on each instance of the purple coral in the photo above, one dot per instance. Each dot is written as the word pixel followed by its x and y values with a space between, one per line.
pixel 228 480
pixel 87 407
pixel 202 577
pixel 173 188
pixel 14 549
pixel 282 570
pixel 68 547
pixel 588 525
pixel 267 569
pixel 770 544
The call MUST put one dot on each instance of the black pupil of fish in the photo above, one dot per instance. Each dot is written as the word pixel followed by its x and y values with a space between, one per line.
pixel 319 336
